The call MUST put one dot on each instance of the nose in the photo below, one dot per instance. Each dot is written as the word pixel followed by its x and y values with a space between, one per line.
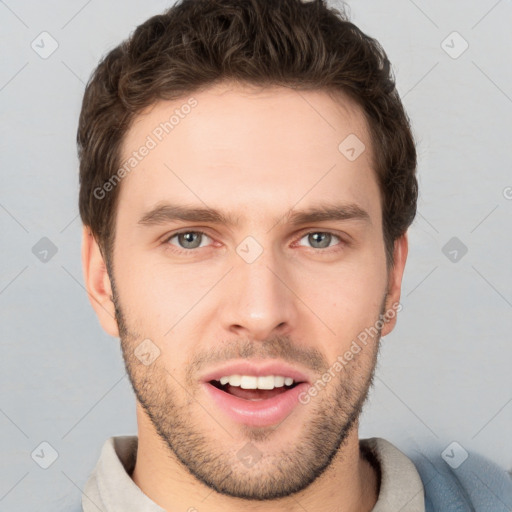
pixel 259 299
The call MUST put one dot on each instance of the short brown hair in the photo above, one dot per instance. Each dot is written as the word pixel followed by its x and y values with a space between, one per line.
pixel 198 43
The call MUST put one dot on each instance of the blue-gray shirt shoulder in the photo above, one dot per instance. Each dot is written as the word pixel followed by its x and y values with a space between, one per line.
pixel 475 484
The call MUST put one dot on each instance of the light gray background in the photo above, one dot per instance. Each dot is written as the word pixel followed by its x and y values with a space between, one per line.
pixel 445 372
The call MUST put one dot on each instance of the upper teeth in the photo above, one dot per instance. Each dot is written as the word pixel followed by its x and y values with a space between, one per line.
pixel 252 382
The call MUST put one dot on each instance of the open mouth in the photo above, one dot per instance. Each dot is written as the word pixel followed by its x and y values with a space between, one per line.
pixel 256 400
pixel 254 393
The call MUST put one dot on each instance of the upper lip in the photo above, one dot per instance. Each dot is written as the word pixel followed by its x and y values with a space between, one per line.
pixel 253 368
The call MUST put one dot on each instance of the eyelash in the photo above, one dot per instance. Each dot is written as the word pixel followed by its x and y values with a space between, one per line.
pixel 179 251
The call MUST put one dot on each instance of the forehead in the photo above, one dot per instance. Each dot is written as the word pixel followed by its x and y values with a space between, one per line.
pixel 251 152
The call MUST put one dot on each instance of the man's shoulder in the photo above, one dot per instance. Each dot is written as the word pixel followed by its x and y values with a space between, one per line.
pixel 455 480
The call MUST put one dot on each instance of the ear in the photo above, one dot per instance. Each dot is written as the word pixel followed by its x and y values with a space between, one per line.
pixel 400 250
pixel 97 283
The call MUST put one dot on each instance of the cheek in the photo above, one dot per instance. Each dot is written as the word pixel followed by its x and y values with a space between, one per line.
pixel 157 294
pixel 347 298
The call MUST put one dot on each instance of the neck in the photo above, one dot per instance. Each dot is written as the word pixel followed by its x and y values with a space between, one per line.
pixel 350 484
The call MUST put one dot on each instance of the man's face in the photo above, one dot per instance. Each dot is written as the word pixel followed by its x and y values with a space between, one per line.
pixel 263 290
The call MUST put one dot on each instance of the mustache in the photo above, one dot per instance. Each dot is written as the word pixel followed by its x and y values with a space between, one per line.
pixel 277 347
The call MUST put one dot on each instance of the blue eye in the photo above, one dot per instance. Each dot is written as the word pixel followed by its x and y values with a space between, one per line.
pixel 323 239
pixel 188 239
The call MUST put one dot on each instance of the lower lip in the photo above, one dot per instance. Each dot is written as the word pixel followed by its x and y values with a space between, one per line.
pixel 257 413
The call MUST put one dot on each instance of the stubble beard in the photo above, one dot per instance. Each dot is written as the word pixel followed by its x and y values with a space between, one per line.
pixel 186 428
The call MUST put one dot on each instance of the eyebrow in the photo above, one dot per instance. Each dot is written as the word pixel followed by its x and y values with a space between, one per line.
pixel 166 212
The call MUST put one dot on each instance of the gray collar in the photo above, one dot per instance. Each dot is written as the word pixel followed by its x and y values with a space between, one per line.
pixel 110 487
